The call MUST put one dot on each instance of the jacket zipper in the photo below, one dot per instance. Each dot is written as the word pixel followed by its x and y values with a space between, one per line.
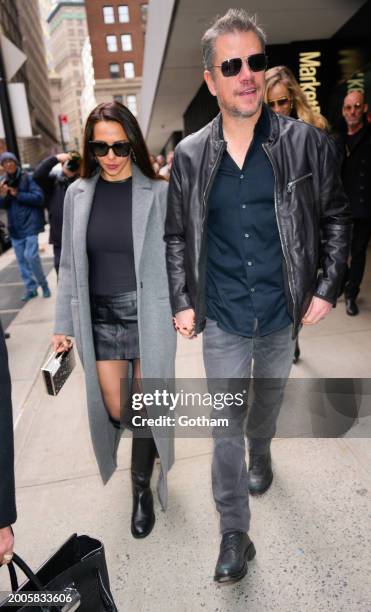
pixel 291 184
pixel 283 244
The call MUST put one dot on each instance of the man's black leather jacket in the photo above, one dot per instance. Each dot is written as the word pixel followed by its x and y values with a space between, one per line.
pixel 311 207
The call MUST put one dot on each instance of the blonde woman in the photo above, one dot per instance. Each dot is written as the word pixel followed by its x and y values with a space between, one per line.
pixel 285 96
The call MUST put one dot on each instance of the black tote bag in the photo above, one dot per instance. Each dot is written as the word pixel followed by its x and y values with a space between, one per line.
pixel 78 571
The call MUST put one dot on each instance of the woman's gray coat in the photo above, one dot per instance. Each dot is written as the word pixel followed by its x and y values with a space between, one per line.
pixel 157 338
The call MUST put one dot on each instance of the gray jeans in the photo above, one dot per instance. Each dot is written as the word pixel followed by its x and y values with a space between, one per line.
pixel 230 361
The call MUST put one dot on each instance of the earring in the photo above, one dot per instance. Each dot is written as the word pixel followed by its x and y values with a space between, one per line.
pixel 133 156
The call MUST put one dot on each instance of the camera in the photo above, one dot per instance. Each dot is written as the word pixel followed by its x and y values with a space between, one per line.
pixel 73 164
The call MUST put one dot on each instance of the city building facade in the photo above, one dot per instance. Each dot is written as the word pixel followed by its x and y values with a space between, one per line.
pixel 20 23
pixel 117 32
pixel 68 32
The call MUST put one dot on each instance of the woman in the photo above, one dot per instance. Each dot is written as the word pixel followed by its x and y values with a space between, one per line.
pixel 113 293
pixel 284 95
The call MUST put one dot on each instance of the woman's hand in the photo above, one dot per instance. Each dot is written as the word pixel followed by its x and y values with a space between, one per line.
pixel 61 343
pixel 6 544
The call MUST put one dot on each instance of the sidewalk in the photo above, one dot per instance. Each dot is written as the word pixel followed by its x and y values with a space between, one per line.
pixel 311 530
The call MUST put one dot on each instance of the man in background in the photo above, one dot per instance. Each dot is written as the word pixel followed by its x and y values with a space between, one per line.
pixel 23 200
pixel 54 185
pixel 356 175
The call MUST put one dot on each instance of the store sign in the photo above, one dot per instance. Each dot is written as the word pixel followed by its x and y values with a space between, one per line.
pixel 309 63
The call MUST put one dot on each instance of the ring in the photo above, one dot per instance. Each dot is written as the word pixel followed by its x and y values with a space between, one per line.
pixel 8 557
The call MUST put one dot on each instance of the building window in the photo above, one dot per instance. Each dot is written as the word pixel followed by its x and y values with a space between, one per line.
pixel 114 71
pixel 111 42
pixel 129 71
pixel 123 13
pixel 131 102
pixel 117 98
pixel 144 13
pixel 126 43
pixel 108 14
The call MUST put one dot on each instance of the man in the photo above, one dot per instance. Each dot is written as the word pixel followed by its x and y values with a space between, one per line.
pixel 248 194
pixel 24 202
pixel 54 185
pixel 356 174
pixel 8 512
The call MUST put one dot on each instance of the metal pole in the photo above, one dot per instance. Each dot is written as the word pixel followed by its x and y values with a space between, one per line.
pixel 6 111
pixel 64 149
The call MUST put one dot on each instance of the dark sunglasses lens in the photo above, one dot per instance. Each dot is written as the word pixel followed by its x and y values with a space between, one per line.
pixel 283 102
pixel 98 148
pixel 121 149
pixel 257 62
pixel 231 67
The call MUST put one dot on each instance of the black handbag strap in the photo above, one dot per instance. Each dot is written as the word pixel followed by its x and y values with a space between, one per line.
pixel 18 561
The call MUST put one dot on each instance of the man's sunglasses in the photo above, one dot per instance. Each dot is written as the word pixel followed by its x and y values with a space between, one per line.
pixel 121 148
pixel 283 101
pixel 231 67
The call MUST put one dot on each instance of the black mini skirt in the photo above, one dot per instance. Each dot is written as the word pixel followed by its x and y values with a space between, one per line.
pixel 115 326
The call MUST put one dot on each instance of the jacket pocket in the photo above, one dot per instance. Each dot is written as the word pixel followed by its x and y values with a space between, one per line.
pixel 295 182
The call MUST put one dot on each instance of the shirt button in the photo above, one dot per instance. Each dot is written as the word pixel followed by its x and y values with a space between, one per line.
pixel 252 290
pixel 241 177
pixel 247 235
pixel 243 205
pixel 249 263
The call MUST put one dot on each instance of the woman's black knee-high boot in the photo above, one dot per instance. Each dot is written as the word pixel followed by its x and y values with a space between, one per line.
pixel 142 460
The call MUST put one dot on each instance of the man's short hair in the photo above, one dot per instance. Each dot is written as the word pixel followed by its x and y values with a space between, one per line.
pixel 234 20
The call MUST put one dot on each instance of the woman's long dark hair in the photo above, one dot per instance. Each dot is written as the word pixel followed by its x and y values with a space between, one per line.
pixel 115 111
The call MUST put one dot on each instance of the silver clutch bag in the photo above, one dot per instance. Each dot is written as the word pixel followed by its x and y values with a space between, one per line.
pixel 57 369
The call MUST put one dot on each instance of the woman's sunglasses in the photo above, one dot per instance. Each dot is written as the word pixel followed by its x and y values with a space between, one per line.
pixel 232 67
pixel 284 101
pixel 99 148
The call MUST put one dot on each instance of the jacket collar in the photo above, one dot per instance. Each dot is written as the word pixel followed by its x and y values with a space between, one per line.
pixel 217 127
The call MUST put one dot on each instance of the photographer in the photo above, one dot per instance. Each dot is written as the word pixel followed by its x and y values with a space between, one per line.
pixel 23 200
pixel 54 185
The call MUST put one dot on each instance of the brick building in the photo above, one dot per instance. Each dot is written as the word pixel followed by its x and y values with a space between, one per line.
pixel 117 31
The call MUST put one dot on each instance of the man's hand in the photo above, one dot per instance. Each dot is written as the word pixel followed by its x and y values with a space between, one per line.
pixel 6 544
pixel 63 157
pixel 4 189
pixel 318 309
pixel 184 323
pixel 13 191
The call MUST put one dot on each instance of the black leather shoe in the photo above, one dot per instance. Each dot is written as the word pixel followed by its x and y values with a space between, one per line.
pixel 351 307
pixel 260 474
pixel 6 335
pixel 143 517
pixel 236 549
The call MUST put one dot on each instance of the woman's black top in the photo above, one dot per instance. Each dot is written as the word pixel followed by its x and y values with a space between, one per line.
pixel 110 239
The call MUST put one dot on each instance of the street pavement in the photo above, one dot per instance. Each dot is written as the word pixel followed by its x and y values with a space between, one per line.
pixel 311 529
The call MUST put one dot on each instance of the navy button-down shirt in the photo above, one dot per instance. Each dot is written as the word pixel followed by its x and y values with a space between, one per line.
pixel 244 275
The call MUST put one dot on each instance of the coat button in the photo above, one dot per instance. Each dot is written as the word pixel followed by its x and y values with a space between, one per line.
pixel 141 284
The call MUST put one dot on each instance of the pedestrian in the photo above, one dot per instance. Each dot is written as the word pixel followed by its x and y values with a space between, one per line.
pixel 356 175
pixel 54 184
pixel 166 170
pixel 8 513
pixel 113 294
pixel 24 201
pixel 284 95
pixel 248 194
